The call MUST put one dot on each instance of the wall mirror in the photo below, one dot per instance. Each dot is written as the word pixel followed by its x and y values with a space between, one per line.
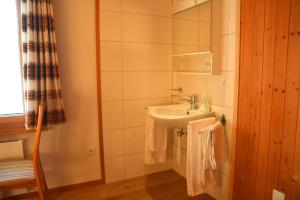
pixel 196 36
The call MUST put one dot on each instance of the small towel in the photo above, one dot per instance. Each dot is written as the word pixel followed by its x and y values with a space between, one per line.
pixel 198 154
pixel 180 147
pixel 155 142
pixel 218 137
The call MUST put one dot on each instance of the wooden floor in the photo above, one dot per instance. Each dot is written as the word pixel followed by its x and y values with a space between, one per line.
pixel 166 185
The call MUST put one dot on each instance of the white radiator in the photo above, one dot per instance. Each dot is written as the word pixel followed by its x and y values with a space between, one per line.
pixel 11 150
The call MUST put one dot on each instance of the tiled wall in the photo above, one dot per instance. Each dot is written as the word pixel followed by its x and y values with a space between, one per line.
pixel 220 90
pixel 136 66
pixel 136 71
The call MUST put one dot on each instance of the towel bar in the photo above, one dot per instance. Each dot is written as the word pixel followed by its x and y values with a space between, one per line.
pixel 222 119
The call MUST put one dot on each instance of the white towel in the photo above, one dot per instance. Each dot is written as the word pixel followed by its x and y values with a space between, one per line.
pixel 180 147
pixel 208 151
pixel 155 142
pixel 198 154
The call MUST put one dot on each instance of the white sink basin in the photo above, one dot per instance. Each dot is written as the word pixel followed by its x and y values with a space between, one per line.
pixel 175 116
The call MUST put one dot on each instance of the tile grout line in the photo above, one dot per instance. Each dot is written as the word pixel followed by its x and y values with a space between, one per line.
pixel 135 13
pixel 140 42
pixel 137 71
pixel 123 90
pixel 135 99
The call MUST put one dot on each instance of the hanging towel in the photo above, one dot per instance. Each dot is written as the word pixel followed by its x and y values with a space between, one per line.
pixel 155 142
pixel 218 137
pixel 208 151
pixel 180 147
pixel 198 154
pixel 214 151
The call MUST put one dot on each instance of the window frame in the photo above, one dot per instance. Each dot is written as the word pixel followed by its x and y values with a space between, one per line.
pixel 12 124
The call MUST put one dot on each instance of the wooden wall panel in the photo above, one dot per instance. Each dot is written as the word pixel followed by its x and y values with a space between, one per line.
pixel 293 168
pixel 279 88
pixel 267 92
pixel 291 101
pixel 244 90
pixel 268 124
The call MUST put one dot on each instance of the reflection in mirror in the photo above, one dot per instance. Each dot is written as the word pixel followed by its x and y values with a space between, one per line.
pixel 192 29
pixel 196 37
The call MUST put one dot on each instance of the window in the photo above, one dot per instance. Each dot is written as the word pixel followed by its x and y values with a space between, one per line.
pixel 11 95
pixel 11 101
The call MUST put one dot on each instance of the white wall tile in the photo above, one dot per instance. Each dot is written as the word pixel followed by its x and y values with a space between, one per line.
pixel 111 56
pixel 112 115
pixel 147 57
pixel 228 52
pixel 190 84
pixel 229 16
pixel 135 113
pixel 204 34
pixel 114 5
pixel 113 143
pixel 139 85
pixel 110 25
pixel 111 86
pixel 192 14
pixel 153 7
pixel 134 165
pixel 179 168
pixel 185 32
pixel 134 140
pixel 135 110
pixel 143 28
pixel 220 89
pixel 114 169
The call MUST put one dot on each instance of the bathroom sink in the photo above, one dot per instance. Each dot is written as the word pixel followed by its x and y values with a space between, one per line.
pixel 176 116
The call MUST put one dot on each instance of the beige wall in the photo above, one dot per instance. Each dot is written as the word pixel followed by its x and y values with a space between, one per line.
pixel 220 90
pixel 75 28
pixel 64 148
pixel 136 71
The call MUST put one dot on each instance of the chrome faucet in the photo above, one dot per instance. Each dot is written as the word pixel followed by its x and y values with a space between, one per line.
pixel 191 100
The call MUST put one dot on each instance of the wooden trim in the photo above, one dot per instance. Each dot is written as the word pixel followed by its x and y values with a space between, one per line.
pixel 12 125
pixel 235 102
pixel 98 74
pixel 38 169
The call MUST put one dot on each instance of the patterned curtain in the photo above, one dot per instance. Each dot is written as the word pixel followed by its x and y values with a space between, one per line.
pixel 41 81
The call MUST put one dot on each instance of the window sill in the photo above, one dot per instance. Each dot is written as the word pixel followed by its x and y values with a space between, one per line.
pixel 11 125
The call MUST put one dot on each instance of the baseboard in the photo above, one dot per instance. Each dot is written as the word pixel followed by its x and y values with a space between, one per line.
pixel 58 189
pixel 76 186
